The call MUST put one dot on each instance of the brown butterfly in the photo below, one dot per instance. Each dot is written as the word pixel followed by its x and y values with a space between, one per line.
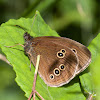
pixel 61 59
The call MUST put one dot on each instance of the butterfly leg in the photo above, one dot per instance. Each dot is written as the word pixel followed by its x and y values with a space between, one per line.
pixel 34 82
pixel 15 45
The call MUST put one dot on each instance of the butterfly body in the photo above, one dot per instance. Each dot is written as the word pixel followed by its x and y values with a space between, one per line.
pixel 61 59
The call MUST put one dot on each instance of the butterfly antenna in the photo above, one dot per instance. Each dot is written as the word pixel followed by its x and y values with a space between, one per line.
pixel 33 22
pixel 21 28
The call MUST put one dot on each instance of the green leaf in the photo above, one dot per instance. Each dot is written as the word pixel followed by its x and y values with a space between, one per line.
pixel 95 64
pixel 94 75
pixel 87 84
pixel 11 34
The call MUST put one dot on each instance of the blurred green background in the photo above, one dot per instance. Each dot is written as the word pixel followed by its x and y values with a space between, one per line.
pixel 75 19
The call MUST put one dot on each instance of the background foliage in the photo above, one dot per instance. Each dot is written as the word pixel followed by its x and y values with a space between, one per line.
pixel 76 19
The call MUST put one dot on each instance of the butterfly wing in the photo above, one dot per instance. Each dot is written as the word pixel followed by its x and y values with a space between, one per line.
pixel 60 58
pixel 58 64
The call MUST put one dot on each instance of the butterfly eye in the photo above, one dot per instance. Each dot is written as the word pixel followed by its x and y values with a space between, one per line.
pixel 63 50
pixel 32 43
pixel 51 76
pixel 74 50
pixel 60 55
pixel 62 67
pixel 56 71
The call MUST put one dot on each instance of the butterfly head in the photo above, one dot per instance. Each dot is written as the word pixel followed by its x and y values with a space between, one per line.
pixel 28 41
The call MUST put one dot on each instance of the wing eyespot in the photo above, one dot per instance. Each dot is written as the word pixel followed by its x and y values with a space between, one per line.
pixel 63 50
pixel 74 50
pixel 51 76
pixel 56 71
pixel 61 53
pixel 62 67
